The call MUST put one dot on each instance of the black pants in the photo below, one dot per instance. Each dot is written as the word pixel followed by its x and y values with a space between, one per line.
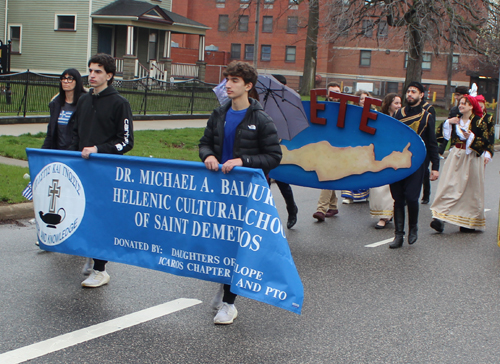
pixel 426 185
pixel 229 297
pixel 286 192
pixel 407 191
pixel 100 265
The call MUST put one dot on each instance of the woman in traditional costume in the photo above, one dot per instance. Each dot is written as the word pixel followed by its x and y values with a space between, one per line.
pixel 350 196
pixel 381 202
pixel 490 122
pixel 460 194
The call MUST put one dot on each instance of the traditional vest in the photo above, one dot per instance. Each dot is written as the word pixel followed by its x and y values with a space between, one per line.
pixel 426 106
pixel 417 122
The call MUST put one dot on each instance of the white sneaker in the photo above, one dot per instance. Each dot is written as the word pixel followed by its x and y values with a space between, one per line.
pixel 217 300
pixel 226 314
pixel 96 279
pixel 87 268
pixel 347 201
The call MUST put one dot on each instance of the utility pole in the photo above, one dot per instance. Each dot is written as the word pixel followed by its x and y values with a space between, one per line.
pixel 256 41
pixel 449 71
pixel 497 124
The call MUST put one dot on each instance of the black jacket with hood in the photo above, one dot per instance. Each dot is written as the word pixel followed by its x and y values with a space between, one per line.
pixel 103 120
pixel 256 139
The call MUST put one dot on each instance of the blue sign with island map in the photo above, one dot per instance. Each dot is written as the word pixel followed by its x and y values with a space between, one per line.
pixel 349 147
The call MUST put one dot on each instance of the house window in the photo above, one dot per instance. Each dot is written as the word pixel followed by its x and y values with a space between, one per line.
pixel 292 24
pixel 268 4
pixel 235 51
pixel 65 22
pixel 367 28
pixel 223 22
pixel 426 61
pixel 249 52
pixel 15 32
pixel 267 24
pixel 392 87
pixel 383 29
pixel 344 28
pixel 265 53
pixel 365 58
pixel 243 23
pixel 152 46
pixel 290 54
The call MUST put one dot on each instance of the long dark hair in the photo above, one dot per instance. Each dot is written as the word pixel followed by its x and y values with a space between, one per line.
pixel 386 104
pixel 79 90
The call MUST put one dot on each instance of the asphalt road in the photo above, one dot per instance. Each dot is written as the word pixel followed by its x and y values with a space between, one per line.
pixel 434 302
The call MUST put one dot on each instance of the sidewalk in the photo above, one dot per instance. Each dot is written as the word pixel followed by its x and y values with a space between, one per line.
pixel 25 210
pixel 35 128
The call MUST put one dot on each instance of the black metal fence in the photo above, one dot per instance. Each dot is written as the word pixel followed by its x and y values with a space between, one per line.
pixel 29 93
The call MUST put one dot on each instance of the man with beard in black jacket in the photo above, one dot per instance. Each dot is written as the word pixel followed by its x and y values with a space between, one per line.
pixel 407 191
pixel 103 124
pixel 238 133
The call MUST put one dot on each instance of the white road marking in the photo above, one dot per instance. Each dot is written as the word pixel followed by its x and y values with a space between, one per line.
pixel 374 245
pixel 89 333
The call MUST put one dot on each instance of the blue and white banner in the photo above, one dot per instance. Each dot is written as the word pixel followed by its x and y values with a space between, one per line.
pixel 173 216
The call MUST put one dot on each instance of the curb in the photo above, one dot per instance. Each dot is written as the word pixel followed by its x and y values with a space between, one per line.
pixel 17 211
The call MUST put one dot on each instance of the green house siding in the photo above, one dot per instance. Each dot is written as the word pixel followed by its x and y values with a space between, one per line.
pixel 44 49
pixel 3 37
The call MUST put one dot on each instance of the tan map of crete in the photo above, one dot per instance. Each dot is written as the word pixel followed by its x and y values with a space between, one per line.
pixel 331 163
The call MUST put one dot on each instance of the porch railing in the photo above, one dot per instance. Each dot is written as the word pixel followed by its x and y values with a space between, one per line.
pixel 119 65
pixel 158 71
pixel 140 70
pixel 184 70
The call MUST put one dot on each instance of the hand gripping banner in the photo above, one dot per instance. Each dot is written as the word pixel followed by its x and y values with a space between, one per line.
pixel 172 216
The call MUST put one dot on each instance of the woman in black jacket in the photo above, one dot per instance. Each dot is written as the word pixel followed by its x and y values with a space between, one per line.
pixel 62 107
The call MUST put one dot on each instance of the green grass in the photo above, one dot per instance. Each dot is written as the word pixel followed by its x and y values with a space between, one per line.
pixel 12 183
pixel 15 146
pixel 181 144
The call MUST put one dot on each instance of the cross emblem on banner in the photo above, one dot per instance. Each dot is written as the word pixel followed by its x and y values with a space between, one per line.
pixel 54 192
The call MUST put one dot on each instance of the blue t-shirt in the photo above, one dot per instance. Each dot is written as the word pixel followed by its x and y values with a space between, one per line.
pixel 233 119
pixel 63 139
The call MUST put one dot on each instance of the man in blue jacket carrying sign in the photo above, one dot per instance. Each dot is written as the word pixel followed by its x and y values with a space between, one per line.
pixel 238 133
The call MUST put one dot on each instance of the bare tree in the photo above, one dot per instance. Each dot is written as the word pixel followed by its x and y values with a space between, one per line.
pixel 309 73
pixel 430 25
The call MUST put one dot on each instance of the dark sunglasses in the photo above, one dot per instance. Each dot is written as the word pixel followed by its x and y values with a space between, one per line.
pixel 67 79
